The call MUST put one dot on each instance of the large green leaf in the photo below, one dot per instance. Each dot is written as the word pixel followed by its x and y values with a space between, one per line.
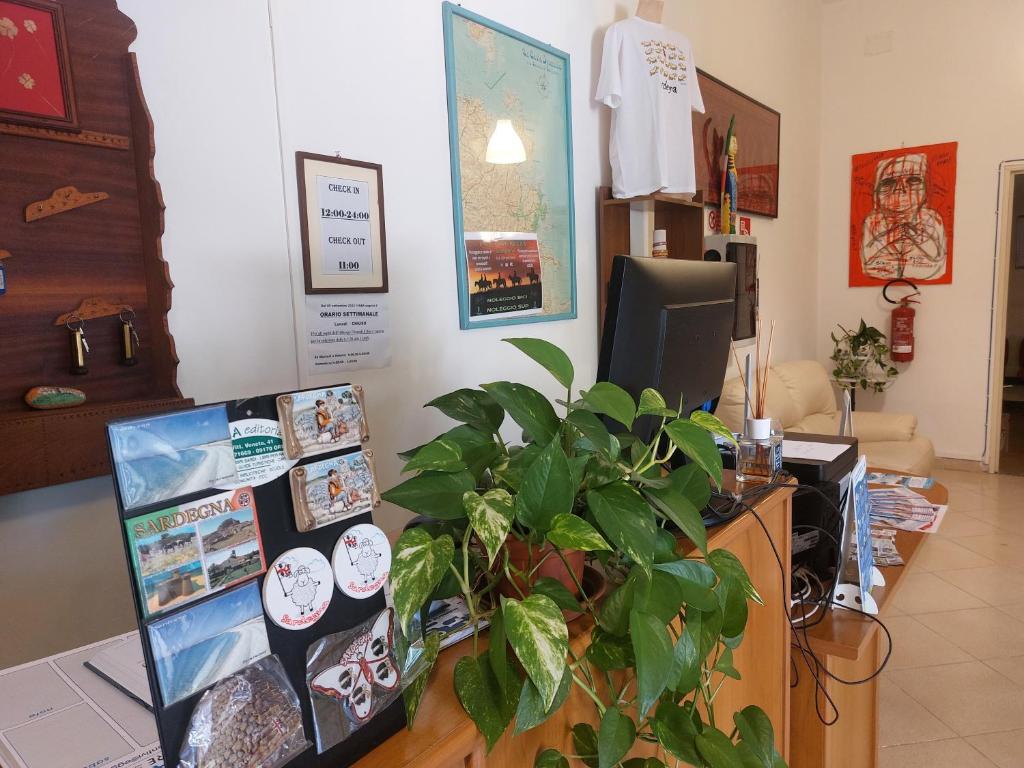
pixel 553 359
pixel 757 734
pixel 592 428
pixel 698 444
pixel 712 424
pixel 512 470
pixel 611 400
pixel 547 489
pixel 441 455
pixel 716 748
pixel 653 404
pixel 532 712
pixel 614 611
pixel 662 599
pixel 728 566
pixel 414 691
pixel 653 651
pixel 479 449
pixel 470 406
pixel 734 607
pixel 584 741
pixel 528 408
pixel 608 652
pixel 685 674
pixel 695 580
pixel 601 471
pixel 497 653
pixel 691 481
pixel 643 762
pixel 557 591
pixel 724 664
pixel 483 700
pixel 705 628
pixel 434 494
pixel 626 519
pixel 537 632
pixel 491 517
pixel 550 758
pixel 617 734
pixel 419 561
pixel 570 531
pixel 680 511
pixel 676 732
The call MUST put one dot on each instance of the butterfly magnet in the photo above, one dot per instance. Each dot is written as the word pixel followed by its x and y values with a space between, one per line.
pixel 353 676
pixel 367 663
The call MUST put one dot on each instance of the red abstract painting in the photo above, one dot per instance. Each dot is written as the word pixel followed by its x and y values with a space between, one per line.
pixel 35 79
pixel 901 215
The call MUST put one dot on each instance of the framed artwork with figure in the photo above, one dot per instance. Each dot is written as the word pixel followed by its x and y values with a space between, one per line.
pixel 35 69
pixel 758 132
pixel 901 215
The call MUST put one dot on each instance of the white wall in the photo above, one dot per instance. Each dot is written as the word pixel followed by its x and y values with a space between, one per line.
pixel 380 97
pixel 367 80
pixel 955 73
pixel 772 53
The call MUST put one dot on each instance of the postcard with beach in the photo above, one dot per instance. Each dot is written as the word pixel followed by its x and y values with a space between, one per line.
pixel 196 647
pixel 182 553
pixel 321 420
pixel 157 458
pixel 334 489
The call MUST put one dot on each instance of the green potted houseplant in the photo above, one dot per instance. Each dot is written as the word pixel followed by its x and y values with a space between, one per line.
pixel 861 358
pixel 662 640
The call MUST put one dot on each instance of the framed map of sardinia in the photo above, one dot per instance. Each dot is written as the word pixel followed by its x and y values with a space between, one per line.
pixel 510 131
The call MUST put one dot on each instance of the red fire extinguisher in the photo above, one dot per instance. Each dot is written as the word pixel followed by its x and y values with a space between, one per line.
pixel 901 332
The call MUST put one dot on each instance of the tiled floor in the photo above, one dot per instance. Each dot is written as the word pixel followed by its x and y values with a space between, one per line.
pixel 953 693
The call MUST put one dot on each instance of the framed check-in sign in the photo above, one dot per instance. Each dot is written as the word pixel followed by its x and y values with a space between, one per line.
pixel 341 210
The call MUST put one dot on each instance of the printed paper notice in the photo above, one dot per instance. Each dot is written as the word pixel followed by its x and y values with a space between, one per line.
pixel 347 334
pixel 345 226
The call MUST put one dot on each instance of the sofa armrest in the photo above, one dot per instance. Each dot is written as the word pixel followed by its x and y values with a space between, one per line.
pixel 874 426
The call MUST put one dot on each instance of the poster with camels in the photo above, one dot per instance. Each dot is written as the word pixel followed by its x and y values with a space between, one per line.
pixel 504 271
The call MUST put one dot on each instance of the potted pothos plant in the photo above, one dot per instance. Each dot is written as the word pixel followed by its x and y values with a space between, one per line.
pixel 661 642
pixel 861 358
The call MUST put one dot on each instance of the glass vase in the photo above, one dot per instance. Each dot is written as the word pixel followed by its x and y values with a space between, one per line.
pixel 759 456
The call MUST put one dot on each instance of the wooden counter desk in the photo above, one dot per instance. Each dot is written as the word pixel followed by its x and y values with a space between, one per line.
pixel 850 646
pixel 444 736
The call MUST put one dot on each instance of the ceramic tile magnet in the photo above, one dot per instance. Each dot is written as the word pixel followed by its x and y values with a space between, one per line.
pixel 362 561
pixel 298 588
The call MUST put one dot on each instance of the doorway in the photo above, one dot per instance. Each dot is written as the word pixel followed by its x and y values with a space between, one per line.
pixel 1005 449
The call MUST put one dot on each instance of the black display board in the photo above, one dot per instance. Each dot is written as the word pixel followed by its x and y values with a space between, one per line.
pixel 278 533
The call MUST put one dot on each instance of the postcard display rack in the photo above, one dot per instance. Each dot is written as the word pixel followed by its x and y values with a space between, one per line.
pixel 194 606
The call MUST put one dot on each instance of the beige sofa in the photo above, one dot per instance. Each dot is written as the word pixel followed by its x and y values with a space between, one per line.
pixel 801 396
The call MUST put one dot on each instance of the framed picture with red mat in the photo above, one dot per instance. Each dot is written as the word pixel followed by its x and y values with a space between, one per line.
pixel 35 68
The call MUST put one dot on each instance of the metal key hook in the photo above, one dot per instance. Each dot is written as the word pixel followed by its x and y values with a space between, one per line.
pixel 127 315
pixel 74 323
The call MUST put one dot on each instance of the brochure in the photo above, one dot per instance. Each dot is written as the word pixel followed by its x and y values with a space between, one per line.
pixel 182 553
pixel 197 646
pixel 157 458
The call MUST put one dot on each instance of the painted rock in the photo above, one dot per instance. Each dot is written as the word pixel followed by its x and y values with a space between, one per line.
pixel 45 398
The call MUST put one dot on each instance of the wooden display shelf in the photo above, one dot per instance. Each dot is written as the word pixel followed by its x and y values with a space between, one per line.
pixel 680 217
pixel 41 448
pixel 104 254
pixel 852 647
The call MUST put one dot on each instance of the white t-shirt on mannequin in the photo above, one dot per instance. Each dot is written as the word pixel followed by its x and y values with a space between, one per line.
pixel 649 79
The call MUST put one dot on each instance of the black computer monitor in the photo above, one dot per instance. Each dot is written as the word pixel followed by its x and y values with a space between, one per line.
pixel 668 325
